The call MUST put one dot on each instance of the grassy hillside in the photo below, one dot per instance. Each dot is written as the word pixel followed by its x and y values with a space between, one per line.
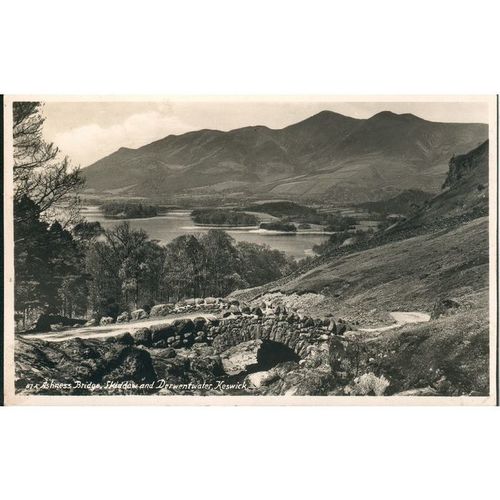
pixel 410 275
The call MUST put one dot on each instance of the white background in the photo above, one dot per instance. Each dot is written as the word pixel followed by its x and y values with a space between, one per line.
pixel 258 47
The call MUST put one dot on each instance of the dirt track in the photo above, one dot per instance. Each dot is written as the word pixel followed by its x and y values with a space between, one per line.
pixel 401 318
pixel 111 330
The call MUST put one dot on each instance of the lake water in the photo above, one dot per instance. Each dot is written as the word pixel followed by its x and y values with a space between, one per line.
pixel 165 228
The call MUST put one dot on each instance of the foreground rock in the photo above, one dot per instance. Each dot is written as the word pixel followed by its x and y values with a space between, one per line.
pixel 86 361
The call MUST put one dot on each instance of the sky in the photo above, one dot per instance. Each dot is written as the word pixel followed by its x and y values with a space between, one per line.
pixel 88 131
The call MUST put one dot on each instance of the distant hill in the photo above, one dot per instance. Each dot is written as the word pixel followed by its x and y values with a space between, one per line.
pixel 327 155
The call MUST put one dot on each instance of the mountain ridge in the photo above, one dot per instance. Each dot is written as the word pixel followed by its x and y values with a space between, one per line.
pixel 324 154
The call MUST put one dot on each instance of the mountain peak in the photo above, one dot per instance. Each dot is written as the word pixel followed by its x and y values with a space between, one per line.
pixel 323 118
pixel 390 115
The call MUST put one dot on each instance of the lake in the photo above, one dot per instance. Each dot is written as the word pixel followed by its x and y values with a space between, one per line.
pixel 168 226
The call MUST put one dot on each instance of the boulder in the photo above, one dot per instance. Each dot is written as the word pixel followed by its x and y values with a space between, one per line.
pixel 306 382
pixel 162 332
pixel 138 314
pixel 124 338
pixel 57 327
pixel 207 368
pixel 257 311
pixel 258 379
pixel 130 364
pixel 143 337
pixel 190 302
pixel 123 317
pixel 199 323
pixel 161 344
pixel 341 328
pixel 211 301
pixel 183 326
pixel 368 384
pixel 106 320
pixel 174 369
pixel 233 308
pixel 444 307
pixel 91 322
pixel 44 322
pixel 161 310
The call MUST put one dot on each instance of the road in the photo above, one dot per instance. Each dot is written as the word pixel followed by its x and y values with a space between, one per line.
pixel 401 318
pixel 103 332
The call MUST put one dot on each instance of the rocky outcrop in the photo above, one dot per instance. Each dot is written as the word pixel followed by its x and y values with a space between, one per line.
pixel 45 321
pixel 106 320
pixel 143 337
pixel 123 317
pixel 161 310
pixel 242 357
pixel 77 366
pixel 138 314
pixel 463 166
pixel 444 307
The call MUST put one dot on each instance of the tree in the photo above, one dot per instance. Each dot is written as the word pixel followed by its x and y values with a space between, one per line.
pixel 49 265
pixel 38 174
pixel 259 264
pixel 126 270
pixel 185 266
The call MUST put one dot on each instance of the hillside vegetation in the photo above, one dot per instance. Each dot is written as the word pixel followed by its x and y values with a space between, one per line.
pixel 405 203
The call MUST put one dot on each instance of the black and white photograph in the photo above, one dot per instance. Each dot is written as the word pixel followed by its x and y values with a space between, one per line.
pixel 300 250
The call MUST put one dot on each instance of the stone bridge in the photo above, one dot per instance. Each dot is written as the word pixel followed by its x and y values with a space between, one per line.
pixel 290 330
pixel 295 333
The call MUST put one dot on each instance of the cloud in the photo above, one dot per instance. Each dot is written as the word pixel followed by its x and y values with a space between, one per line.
pixel 89 143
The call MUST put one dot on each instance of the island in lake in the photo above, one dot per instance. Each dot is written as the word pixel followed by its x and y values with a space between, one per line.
pixel 126 210
pixel 221 217
pixel 287 227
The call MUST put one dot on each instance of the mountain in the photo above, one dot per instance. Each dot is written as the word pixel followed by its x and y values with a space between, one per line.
pixel 327 155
